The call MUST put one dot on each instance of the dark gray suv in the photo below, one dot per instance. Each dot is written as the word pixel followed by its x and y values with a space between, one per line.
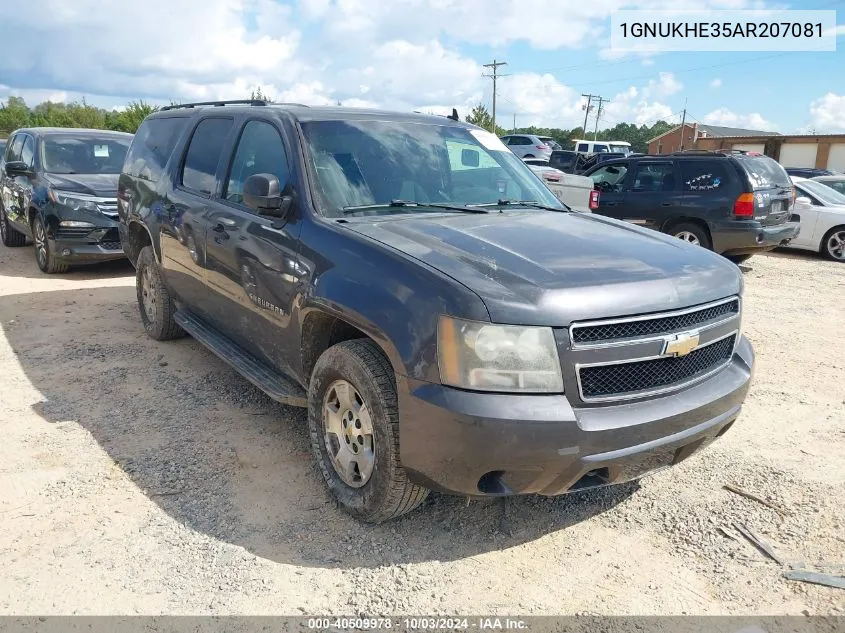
pixel 448 324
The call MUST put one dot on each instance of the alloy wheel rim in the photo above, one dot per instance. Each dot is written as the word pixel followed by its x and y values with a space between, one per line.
pixel 40 243
pixel 836 245
pixel 348 436
pixel 688 237
pixel 147 294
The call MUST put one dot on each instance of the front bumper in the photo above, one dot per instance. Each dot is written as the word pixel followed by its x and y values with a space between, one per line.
pixel 738 237
pixel 476 444
pixel 98 245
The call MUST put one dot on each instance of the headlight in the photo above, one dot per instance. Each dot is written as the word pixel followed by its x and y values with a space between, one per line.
pixel 489 357
pixel 76 202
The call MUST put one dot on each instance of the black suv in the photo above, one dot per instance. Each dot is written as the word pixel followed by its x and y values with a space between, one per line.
pixel 736 203
pixel 446 321
pixel 59 189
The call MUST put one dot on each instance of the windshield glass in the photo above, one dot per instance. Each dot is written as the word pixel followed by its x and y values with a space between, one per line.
pixel 619 149
pixel 821 191
pixel 84 154
pixel 361 163
pixel 764 172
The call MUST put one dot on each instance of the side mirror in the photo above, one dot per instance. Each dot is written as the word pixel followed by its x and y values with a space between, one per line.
pixel 469 158
pixel 262 192
pixel 17 168
pixel 804 201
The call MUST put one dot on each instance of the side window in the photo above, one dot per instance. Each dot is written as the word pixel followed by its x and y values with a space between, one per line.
pixel 28 151
pixel 506 140
pixel 600 148
pixel 610 178
pixel 260 151
pixel 702 175
pixel 151 147
pixel 583 147
pixel 203 155
pixel 652 177
pixel 14 151
pixel 466 156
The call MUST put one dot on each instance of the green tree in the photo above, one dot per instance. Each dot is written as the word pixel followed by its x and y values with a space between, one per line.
pixel 257 95
pixel 14 114
pixel 129 119
pixel 482 118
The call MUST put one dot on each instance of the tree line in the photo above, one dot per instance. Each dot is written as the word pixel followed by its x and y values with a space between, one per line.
pixel 15 114
pixel 637 136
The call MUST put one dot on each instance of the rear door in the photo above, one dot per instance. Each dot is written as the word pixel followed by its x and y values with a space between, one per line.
pixel 771 186
pixel 610 181
pixel 653 195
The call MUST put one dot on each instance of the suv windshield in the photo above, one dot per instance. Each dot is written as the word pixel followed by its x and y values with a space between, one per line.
pixel 84 155
pixel 819 190
pixel 371 163
pixel 764 172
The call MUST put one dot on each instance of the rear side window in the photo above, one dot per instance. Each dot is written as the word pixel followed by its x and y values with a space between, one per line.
pixel 203 155
pixel 151 147
pixel 600 148
pixel 583 147
pixel 764 173
pixel 701 175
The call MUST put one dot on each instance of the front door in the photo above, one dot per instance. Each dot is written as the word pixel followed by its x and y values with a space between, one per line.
pixel 17 189
pixel 610 180
pixel 252 262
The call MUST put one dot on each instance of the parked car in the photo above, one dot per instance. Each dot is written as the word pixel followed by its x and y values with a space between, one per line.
pixel 808 172
pixel 822 211
pixel 548 140
pixel 732 203
pixel 59 189
pixel 446 322
pixel 527 146
pixel 576 192
pixel 599 147
pixel 834 182
pixel 2 146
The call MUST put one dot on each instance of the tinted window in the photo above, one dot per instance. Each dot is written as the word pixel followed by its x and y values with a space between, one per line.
pixel 151 147
pixel 654 177
pixel 764 172
pixel 701 175
pixel 519 140
pixel 203 154
pixel 28 151
pixel 822 192
pixel 599 148
pixel 62 154
pixel 14 151
pixel 260 151
pixel 583 147
pixel 610 177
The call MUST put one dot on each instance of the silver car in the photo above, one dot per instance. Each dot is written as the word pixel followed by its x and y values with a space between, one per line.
pixel 527 146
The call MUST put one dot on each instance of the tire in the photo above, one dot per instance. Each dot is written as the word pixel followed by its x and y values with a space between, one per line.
pixel 739 259
pixel 829 248
pixel 380 491
pixel 154 301
pixel 529 156
pixel 691 233
pixel 10 236
pixel 44 255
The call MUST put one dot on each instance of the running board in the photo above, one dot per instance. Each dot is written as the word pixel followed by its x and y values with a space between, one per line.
pixel 274 384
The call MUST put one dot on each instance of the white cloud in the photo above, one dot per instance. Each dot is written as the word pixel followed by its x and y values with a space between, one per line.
pixel 827 114
pixel 753 121
pixel 716 83
pixel 836 31
pixel 664 86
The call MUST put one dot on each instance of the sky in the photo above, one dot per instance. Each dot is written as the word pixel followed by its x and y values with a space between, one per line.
pixel 424 55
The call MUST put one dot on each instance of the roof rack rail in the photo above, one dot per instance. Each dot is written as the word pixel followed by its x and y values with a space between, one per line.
pixel 254 102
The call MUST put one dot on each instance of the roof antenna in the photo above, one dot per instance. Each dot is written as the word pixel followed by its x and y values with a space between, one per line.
pixel 454 116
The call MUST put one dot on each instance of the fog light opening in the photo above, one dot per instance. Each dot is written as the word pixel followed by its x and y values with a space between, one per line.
pixel 66 252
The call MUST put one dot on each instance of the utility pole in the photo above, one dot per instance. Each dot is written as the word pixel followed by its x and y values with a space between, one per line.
pixel 587 111
pixel 514 123
pixel 598 115
pixel 683 122
pixel 495 75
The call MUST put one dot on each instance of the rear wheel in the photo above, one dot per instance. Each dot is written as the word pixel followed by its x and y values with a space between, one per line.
pixel 353 420
pixel 44 255
pixel 738 259
pixel 833 244
pixel 154 300
pixel 690 233
pixel 10 236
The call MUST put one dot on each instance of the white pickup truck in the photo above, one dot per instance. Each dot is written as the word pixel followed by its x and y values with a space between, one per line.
pixel 574 191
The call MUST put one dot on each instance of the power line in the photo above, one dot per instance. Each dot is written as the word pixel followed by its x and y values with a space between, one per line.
pixel 495 75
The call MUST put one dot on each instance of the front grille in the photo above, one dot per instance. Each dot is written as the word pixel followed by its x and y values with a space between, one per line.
pixel 603 381
pixel 657 326
pixel 64 232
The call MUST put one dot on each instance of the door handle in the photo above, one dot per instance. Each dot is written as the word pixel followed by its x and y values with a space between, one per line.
pixel 224 224
pixel 665 204
pixel 608 204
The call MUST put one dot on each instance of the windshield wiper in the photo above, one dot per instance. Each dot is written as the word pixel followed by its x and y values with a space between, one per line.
pixel 523 203
pixel 409 203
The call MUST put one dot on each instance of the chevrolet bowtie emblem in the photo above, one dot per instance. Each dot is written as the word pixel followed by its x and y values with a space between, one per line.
pixel 681 344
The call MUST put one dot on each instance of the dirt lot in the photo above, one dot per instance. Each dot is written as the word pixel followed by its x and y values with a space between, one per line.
pixel 144 477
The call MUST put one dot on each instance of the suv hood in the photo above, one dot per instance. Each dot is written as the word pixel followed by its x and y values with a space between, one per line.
pixel 548 268
pixel 103 185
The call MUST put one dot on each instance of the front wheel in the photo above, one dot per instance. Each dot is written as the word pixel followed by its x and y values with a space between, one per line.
pixel 353 421
pixel 154 300
pixel 833 244
pixel 44 255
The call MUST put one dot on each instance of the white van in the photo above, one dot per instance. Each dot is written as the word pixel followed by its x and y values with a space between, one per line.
pixel 601 147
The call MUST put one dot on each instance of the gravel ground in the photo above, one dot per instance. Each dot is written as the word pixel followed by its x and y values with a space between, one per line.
pixel 144 477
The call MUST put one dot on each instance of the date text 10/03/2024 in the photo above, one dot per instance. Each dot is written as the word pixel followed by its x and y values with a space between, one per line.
pixel 419 624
